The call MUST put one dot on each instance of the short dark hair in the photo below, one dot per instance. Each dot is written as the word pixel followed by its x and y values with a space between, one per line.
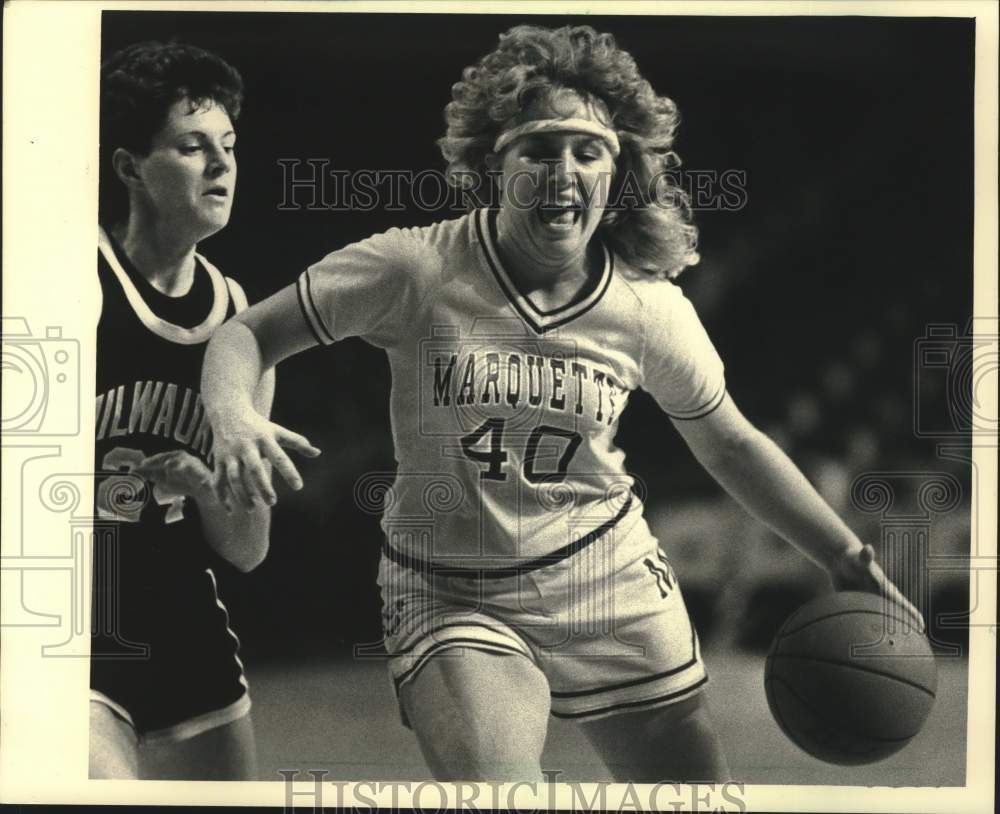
pixel 138 85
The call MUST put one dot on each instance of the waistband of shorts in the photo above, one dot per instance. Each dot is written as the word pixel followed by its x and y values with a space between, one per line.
pixel 440 568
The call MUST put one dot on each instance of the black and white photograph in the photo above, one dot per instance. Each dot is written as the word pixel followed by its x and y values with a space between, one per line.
pixel 576 408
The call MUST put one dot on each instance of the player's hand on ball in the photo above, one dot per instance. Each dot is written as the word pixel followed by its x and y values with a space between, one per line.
pixel 176 473
pixel 243 441
pixel 858 571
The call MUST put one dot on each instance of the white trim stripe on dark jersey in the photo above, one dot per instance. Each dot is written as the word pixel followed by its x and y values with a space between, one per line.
pixel 229 630
pixel 185 729
pixel 200 723
pixel 160 327
pixel 540 321
pixel 98 697
pixel 237 295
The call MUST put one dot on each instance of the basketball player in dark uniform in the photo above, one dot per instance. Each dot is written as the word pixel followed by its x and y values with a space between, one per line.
pixel 168 694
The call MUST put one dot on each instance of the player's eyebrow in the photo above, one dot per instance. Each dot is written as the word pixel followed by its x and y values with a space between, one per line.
pixel 588 140
pixel 548 140
pixel 203 134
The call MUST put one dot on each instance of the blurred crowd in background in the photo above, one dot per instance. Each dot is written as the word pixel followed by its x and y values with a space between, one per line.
pixel 855 236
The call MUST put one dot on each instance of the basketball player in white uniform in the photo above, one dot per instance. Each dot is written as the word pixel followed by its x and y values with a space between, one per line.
pixel 168 694
pixel 519 577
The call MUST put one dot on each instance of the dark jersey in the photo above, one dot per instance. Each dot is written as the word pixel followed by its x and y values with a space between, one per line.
pixel 156 612
pixel 150 351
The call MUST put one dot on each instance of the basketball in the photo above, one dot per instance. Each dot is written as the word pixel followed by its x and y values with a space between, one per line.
pixel 849 678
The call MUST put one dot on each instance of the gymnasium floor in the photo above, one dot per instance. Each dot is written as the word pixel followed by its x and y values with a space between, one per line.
pixel 340 715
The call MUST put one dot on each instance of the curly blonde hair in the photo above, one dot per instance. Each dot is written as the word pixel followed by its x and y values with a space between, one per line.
pixel 650 228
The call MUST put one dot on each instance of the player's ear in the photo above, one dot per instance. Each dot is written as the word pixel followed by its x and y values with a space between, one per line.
pixel 125 168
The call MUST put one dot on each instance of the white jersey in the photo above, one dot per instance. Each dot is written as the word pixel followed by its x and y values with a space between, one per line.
pixel 504 415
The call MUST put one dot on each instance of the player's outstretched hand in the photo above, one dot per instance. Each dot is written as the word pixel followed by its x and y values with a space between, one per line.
pixel 858 571
pixel 176 473
pixel 242 441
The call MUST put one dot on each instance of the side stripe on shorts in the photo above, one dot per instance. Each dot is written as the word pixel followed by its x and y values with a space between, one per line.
pixel 660 699
pixel 636 681
pixel 469 643
pixel 633 683
pixel 409 649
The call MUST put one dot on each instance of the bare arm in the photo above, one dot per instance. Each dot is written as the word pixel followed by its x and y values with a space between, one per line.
pixel 241 536
pixel 752 468
pixel 245 441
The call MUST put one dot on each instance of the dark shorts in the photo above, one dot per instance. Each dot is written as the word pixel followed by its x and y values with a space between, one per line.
pixel 164 658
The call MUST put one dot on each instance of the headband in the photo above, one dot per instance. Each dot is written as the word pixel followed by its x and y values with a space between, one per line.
pixel 592 128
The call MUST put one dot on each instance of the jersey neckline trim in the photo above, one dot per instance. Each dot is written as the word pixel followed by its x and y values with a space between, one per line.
pixel 167 330
pixel 541 321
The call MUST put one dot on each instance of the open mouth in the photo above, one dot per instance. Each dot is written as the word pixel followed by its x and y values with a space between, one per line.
pixel 560 214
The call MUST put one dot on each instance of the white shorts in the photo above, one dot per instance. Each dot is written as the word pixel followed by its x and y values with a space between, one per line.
pixel 607 625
